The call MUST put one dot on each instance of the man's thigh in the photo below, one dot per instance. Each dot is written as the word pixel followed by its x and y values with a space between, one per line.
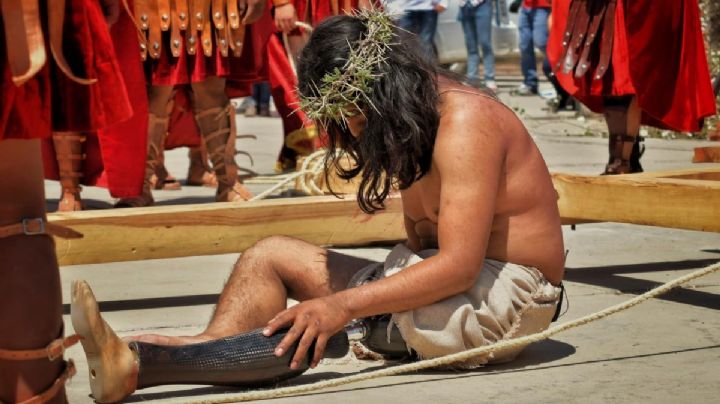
pixel 309 271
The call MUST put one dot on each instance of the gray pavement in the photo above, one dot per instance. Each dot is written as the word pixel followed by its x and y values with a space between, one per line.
pixel 666 350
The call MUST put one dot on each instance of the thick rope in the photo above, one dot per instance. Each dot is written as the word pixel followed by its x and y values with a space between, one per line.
pixel 311 168
pixel 462 356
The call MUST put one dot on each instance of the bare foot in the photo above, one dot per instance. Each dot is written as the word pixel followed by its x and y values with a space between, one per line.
pixel 158 339
pixel 112 365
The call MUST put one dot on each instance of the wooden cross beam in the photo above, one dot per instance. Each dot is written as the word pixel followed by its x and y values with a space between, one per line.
pixel 683 199
pixel 220 228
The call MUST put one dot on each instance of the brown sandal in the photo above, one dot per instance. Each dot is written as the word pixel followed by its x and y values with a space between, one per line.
pixel 69 155
pixel 199 172
pixel 217 127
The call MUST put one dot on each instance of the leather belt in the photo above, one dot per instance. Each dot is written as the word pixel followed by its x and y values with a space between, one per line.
pixel 588 38
pixel 193 25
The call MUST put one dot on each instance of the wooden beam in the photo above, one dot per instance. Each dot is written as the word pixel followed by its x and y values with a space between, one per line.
pixel 219 228
pixel 711 173
pixel 665 202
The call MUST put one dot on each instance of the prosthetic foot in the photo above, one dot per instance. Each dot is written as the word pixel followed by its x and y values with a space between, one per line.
pixel 217 127
pixel 69 155
pixel 112 365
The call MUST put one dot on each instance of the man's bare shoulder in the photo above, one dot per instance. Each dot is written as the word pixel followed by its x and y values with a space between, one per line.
pixel 462 106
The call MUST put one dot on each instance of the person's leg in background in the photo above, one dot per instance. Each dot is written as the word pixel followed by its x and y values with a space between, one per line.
pixel 215 118
pixel 428 26
pixel 622 116
pixel 409 21
pixel 483 22
pixel 467 20
pixel 261 92
pixel 251 107
pixel 527 53
pixel 159 107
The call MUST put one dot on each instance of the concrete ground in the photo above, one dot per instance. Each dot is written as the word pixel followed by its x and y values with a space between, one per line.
pixel 664 350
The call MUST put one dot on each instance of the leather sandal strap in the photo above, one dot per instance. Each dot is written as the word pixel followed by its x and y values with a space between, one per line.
pixel 210 112
pixel 45 396
pixel 71 156
pixel 37 226
pixel 54 350
pixel 74 136
pixel 212 135
pixel 620 137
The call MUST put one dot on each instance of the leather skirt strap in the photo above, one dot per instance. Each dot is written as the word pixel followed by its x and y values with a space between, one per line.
pixel 25 43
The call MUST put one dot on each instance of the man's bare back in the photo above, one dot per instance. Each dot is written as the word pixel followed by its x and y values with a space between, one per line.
pixel 525 225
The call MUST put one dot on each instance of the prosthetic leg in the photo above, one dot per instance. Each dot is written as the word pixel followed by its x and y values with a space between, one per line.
pixel 622 116
pixel 157 129
pixel 217 128
pixel 69 155
pixel 118 369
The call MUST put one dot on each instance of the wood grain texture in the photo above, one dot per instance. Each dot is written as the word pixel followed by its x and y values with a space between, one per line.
pixel 665 202
pixel 220 228
pixel 682 199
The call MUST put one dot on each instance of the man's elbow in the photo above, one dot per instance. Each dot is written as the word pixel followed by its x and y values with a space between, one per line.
pixel 466 281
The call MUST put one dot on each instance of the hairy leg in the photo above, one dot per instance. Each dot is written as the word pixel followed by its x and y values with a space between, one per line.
pixel 30 301
pixel 263 278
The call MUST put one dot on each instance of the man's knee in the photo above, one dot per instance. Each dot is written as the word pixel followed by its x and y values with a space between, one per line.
pixel 268 249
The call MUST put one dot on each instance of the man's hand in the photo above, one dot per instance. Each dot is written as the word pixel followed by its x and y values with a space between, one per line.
pixel 254 9
pixel 314 320
pixel 111 10
pixel 439 8
pixel 285 17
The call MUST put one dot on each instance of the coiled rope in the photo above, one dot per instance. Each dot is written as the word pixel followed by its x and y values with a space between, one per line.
pixel 310 171
pixel 461 356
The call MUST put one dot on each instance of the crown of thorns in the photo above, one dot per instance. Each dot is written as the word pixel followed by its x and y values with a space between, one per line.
pixel 343 92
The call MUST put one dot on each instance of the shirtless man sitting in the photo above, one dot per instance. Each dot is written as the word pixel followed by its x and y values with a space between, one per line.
pixel 484 256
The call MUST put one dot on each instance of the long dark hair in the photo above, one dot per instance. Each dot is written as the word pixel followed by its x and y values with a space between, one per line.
pixel 397 143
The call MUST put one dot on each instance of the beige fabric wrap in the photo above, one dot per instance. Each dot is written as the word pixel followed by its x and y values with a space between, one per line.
pixel 507 301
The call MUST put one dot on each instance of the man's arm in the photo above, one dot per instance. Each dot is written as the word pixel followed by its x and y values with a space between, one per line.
pixel 469 155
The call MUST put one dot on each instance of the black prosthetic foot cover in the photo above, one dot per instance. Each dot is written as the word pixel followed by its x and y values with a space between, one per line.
pixel 245 359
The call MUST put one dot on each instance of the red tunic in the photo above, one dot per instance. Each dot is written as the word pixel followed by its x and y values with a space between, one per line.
pixel 50 100
pixel 658 54
pixel 115 154
pixel 283 79
pixel 169 70
pixel 249 68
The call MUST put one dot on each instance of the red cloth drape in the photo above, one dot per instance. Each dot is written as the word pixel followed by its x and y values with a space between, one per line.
pixel 658 54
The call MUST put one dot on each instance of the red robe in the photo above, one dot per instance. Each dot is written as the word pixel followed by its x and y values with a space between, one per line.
pixel 50 101
pixel 249 68
pixel 658 54
pixel 283 79
pixel 115 154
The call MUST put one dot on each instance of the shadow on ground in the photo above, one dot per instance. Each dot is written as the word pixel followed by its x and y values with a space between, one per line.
pixel 619 277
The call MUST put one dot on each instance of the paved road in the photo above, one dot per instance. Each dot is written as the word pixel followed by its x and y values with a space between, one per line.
pixel 665 350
